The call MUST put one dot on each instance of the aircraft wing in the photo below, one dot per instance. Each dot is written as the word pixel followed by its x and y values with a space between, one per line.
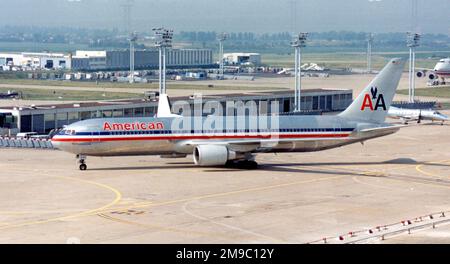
pixel 257 143
pixel 248 145
pixel 252 141
pixel 409 117
pixel 404 117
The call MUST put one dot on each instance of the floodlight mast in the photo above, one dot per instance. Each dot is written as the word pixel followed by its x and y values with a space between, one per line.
pixel 133 39
pixel 163 41
pixel 298 42
pixel 221 37
pixel 412 41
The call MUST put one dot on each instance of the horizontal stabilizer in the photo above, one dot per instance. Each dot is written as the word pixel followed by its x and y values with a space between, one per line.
pixel 387 129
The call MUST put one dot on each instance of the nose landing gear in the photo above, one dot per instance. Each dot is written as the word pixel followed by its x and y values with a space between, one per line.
pixel 82 162
pixel 83 167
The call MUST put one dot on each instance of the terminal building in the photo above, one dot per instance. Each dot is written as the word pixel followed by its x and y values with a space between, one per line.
pixel 89 60
pixel 242 58
pixel 45 118
pixel 36 60
pixel 86 60
pixel 143 59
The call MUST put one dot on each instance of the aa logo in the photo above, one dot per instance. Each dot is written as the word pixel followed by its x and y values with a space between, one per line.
pixel 373 101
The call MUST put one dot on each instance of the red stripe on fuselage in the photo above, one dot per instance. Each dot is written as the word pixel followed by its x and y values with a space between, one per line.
pixel 100 139
pixel 442 73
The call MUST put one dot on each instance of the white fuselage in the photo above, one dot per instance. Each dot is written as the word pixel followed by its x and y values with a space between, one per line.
pixel 125 136
pixel 442 68
pixel 416 114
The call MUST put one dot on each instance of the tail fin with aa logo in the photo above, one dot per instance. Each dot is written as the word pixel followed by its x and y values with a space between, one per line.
pixel 374 101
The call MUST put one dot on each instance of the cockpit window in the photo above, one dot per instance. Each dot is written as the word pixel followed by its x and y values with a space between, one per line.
pixel 68 132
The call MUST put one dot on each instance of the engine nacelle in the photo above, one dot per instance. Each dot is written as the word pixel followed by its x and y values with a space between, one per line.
pixel 420 74
pixel 212 155
pixel 432 76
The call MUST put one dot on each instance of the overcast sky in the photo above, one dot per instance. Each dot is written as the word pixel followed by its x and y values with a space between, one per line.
pixel 233 15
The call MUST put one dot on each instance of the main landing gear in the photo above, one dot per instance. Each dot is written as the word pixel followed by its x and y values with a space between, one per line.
pixel 248 163
pixel 82 162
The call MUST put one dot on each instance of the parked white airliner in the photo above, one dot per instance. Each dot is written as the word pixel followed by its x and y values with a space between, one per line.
pixel 441 69
pixel 222 143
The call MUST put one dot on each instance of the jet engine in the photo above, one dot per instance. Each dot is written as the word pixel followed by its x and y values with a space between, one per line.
pixel 212 155
pixel 432 76
pixel 420 74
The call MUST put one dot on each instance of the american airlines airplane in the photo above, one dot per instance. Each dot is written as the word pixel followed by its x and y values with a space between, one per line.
pixel 442 70
pixel 226 142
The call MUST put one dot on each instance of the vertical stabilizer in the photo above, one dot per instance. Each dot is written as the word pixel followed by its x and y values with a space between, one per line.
pixel 373 103
pixel 164 107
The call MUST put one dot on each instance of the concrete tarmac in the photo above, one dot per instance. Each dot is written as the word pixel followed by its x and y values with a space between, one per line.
pixel 291 198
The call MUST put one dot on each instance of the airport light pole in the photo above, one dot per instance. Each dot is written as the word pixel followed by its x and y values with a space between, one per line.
pixel 221 37
pixel 133 39
pixel 163 41
pixel 412 41
pixel 298 43
pixel 369 39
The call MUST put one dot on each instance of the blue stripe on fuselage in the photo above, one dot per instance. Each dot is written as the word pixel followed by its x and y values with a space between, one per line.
pixel 163 132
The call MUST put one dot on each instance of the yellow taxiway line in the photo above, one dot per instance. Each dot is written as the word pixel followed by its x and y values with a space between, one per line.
pixel 419 169
pixel 118 197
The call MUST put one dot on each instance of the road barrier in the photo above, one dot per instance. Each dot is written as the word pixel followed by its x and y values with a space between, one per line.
pixel 32 143
pixel 389 230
